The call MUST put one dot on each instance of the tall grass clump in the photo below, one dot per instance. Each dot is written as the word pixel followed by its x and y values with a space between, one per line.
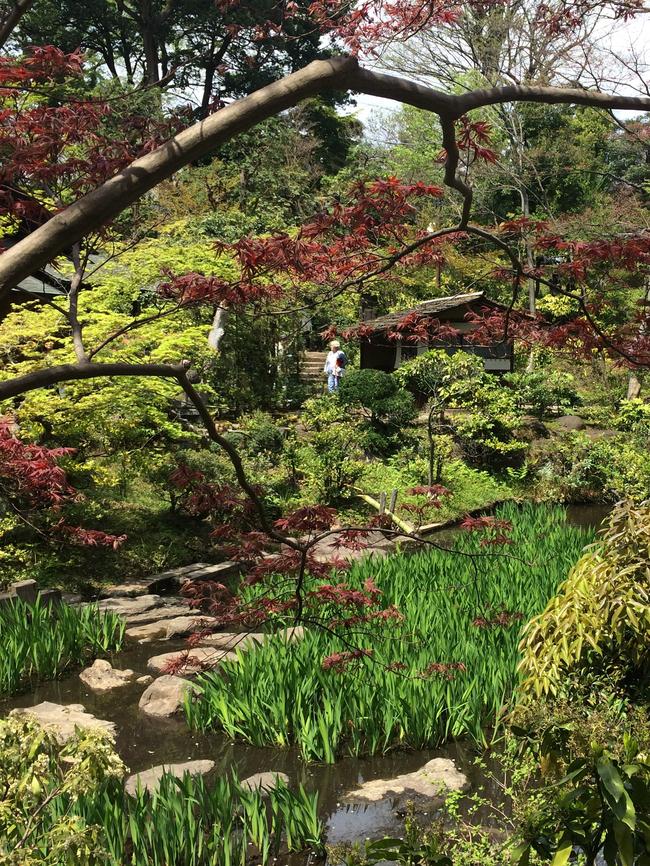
pixel 196 823
pixel 446 670
pixel 65 803
pixel 40 641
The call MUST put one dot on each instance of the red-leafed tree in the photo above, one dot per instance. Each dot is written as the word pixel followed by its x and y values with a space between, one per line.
pixel 68 174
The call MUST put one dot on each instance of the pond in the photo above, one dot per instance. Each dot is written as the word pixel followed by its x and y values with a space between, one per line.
pixel 144 741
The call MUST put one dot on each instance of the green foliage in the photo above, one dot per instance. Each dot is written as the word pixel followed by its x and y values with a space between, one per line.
pixel 487 425
pixel 449 378
pixel 600 617
pixel 596 793
pixel 319 412
pixel 576 467
pixel 259 433
pixel 331 462
pixel 633 414
pixel 67 805
pixel 281 694
pixel 544 389
pixel 39 641
pixel 388 407
pixel 41 782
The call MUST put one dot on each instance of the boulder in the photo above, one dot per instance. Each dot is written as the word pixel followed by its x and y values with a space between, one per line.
pixel 570 422
pixel 62 719
pixel 432 781
pixel 199 658
pixel 101 676
pixel 165 696
pixel 144 680
pixel 149 780
pixel 264 782
pixel 164 629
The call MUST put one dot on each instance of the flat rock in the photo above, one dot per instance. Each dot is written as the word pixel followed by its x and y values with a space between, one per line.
pixel 375 544
pixel 125 590
pixel 244 640
pixel 165 696
pixel 162 611
pixel 264 782
pixel 62 719
pixel 570 422
pixel 128 607
pixel 164 629
pixel 432 781
pixel 149 780
pixel 199 658
pixel 101 676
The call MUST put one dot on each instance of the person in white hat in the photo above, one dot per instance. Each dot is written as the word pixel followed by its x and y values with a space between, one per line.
pixel 334 366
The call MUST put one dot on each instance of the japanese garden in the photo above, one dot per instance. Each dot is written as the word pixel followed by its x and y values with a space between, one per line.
pixel 324 433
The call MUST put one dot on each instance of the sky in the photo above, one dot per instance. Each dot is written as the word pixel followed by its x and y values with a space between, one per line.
pixel 621 38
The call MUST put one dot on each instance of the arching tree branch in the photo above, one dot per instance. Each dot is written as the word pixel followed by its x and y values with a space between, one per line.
pixel 342 73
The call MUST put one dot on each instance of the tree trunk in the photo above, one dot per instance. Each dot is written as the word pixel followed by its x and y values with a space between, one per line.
pixel 530 264
pixel 12 19
pixel 218 328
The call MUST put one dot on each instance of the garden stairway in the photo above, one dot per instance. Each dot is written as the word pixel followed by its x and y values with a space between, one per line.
pixel 311 370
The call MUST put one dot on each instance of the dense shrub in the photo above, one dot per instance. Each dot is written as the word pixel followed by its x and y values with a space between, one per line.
pixel 260 433
pixel 574 467
pixel 387 406
pixel 633 414
pixel 600 618
pixel 543 390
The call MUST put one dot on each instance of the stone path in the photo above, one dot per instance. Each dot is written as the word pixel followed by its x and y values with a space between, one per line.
pixel 172 579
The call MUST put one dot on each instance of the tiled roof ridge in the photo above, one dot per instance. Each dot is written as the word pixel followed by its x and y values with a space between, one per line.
pixel 434 305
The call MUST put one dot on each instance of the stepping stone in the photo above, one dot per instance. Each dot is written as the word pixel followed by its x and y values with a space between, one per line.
pixel 218 572
pixel 62 719
pixel 233 640
pixel 245 640
pixel 149 780
pixel 264 782
pixel 164 629
pixel 165 696
pixel 432 781
pixel 200 658
pixel 163 611
pixel 128 607
pixel 102 677
pixel 125 590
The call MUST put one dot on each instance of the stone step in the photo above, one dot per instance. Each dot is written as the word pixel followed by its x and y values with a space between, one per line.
pixel 168 628
pixel 149 780
pixel 198 659
pixel 171 580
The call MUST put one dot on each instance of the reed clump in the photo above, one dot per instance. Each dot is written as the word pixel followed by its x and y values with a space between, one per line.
pixel 40 641
pixel 447 670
